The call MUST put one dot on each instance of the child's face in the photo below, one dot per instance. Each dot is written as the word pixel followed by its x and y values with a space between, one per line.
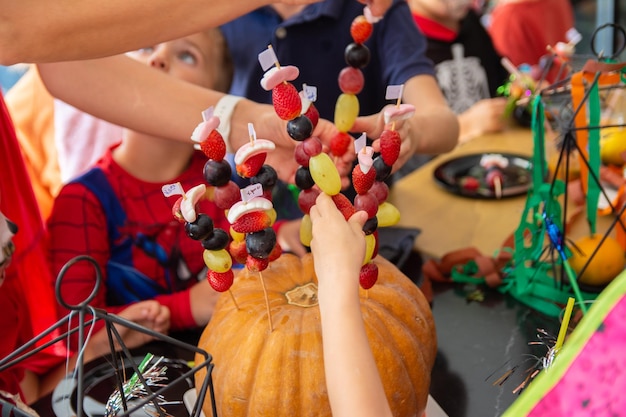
pixel 444 10
pixel 196 58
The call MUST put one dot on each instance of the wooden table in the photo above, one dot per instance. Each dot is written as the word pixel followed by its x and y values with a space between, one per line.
pixel 449 222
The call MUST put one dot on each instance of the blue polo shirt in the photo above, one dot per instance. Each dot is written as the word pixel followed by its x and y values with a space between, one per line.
pixel 314 41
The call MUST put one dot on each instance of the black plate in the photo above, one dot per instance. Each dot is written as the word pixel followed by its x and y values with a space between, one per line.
pixel 516 175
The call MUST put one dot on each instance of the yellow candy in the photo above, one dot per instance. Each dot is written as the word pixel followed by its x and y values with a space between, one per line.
pixel 237 237
pixel 306 233
pixel 325 174
pixel 370 245
pixel 346 111
pixel 217 260
pixel 388 214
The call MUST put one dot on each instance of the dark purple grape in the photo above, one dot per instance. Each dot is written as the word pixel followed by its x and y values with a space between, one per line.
pixel 357 55
pixel 370 225
pixel 266 176
pixel 300 128
pixel 217 173
pixel 382 169
pixel 260 244
pixel 201 229
pixel 216 241
pixel 304 180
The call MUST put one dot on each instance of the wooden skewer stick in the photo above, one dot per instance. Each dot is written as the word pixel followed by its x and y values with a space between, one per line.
pixel 267 302
pixel 232 296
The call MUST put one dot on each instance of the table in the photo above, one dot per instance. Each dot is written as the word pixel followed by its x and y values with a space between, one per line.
pixel 449 222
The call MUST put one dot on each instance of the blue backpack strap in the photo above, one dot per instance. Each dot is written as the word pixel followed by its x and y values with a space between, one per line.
pixel 125 284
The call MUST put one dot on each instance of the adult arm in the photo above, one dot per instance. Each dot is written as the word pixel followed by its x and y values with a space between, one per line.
pixel 92 28
pixel 130 94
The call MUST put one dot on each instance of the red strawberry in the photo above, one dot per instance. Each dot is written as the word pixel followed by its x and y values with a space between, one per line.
pixel 256 265
pixel 251 166
pixel 469 184
pixel 363 182
pixel 313 115
pixel 390 142
pixel 275 253
pixel 344 205
pixel 339 143
pixel 368 275
pixel 220 281
pixel 360 29
pixel 286 100
pixel 238 251
pixel 252 222
pixel 176 211
pixel 214 146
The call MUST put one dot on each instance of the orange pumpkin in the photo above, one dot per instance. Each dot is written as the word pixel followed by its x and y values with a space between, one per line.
pixel 259 372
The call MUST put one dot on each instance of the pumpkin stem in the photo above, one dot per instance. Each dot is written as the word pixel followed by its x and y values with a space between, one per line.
pixel 267 302
pixel 233 298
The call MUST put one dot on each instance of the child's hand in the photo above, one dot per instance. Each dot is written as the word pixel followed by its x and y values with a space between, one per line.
pixel 338 245
pixel 485 116
pixel 149 314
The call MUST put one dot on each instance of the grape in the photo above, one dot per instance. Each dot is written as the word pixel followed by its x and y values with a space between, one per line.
pixel 380 190
pixel 217 173
pixel 260 244
pixel 382 169
pixel 351 80
pixel 312 146
pixel 301 157
pixel 370 225
pixel 300 128
pixel 306 199
pixel 218 240
pixel 227 195
pixel 201 229
pixel 357 55
pixel 304 180
pixel 266 176
pixel 366 202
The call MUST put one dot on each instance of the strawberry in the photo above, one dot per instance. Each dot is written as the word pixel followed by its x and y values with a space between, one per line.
pixel 363 182
pixel 361 29
pixel 313 114
pixel 390 142
pixel 344 205
pixel 275 253
pixel 252 222
pixel 178 215
pixel 251 166
pixel 220 281
pixel 214 146
pixel 238 251
pixel 256 265
pixel 339 143
pixel 286 100
pixel 368 275
pixel 469 183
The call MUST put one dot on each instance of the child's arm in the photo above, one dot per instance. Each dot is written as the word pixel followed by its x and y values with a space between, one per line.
pixel 352 378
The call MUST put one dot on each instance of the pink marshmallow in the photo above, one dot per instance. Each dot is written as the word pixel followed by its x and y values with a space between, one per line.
pixel 275 76
pixel 202 131
pixel 401 112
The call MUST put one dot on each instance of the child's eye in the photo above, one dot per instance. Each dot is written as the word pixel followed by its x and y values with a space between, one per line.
pixel 188 58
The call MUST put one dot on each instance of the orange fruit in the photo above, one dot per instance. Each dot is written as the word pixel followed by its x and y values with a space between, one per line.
pixel 606 264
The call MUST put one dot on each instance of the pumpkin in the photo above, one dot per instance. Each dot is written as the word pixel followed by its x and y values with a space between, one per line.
pixel 273 366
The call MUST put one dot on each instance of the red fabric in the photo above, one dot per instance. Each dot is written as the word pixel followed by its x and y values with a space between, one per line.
pixel 434 30
pixel 521 31
pixel 27 299
pixel 77 226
